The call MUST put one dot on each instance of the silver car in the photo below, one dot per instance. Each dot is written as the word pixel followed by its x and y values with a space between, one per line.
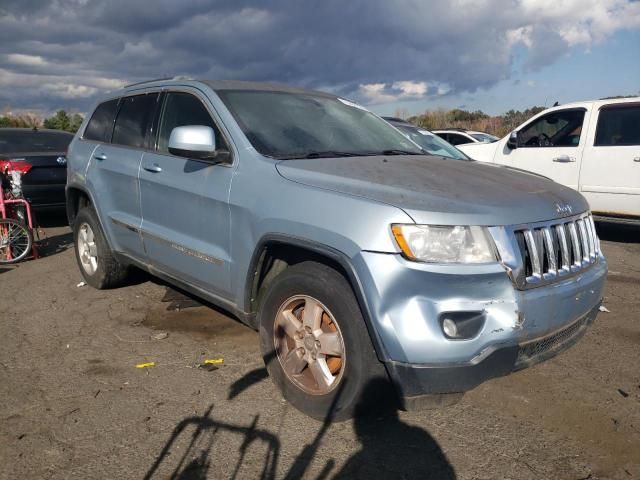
pixel 354 253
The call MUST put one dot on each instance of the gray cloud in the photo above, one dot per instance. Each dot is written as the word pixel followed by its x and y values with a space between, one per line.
pixel 63 53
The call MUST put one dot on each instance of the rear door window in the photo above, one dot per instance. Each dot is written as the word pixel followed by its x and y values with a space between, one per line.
pixel 618 125
pixel 100 126
pixel 134 119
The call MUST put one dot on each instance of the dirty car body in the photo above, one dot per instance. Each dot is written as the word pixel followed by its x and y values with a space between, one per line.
pixel 528 286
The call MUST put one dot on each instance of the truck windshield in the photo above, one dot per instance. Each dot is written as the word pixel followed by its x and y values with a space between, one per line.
pixel 299 125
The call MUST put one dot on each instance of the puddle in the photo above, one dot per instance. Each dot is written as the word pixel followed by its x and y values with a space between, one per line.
pixel 178 301
pixel 201 321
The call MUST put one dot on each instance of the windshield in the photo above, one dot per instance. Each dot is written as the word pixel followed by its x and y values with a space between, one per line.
pixel 484 137
pixel 299 125
pixel 16 141
pixel 431 142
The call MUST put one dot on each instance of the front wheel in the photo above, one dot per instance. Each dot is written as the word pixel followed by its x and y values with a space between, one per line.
pixel 15 241
pixel 315 343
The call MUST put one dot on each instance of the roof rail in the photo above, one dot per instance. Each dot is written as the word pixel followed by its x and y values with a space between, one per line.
pixel 453 129
pixel 177 77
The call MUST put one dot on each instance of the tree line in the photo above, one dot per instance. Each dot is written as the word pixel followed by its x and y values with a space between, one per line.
pixel 61 120
pixel 499 125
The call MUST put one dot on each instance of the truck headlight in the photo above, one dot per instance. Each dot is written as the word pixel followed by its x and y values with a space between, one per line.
pixel 444 244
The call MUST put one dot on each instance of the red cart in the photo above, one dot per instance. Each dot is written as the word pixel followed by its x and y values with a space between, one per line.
pixel 16 224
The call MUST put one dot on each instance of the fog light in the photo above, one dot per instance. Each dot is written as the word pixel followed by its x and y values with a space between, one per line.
pixel 462 325
pixel 449 327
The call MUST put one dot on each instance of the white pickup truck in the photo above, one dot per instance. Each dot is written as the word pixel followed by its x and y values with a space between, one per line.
pixel 593 147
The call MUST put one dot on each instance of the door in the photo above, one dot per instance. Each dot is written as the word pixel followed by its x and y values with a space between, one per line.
pixel 610 176
pixel 550 145
pixel 114 172
pixel 185 207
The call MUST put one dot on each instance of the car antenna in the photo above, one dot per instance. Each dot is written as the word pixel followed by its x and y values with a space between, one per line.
pixel 556 104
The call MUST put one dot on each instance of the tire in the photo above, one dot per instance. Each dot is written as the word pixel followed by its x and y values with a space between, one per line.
pixel 98 265
pixel 15 241
pixel 313 287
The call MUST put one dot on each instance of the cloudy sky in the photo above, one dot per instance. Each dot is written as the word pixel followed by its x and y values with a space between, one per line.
pixel 403 54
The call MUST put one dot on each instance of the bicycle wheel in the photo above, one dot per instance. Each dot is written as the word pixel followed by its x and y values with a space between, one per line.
pixel 15 241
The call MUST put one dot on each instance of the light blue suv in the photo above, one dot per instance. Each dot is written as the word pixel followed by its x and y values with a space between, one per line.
pixel 352 251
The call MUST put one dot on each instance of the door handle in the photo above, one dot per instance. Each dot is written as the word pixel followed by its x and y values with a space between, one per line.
pixel 637 159
pixel 564 159
pixel 153 168
pixel 100 156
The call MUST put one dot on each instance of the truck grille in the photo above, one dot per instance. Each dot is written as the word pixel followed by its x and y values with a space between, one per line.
pixel 557 249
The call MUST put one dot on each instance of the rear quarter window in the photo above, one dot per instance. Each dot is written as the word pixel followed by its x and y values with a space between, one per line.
pixel 101 124
pixel 618 125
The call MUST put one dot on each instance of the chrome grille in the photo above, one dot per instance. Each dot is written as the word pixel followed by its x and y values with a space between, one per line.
pixel 556 250
pixel 544 252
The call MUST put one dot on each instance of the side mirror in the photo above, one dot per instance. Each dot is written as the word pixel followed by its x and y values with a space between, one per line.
pixel 196 141
pixel 512 143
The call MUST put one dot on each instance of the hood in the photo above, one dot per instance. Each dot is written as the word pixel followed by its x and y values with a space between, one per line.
pixel 442 191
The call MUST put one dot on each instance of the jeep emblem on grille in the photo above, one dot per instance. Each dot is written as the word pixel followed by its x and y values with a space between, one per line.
pixel 563 209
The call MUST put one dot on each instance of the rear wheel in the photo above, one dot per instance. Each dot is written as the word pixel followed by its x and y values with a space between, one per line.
pixel 315 343
pixel 97 263
pixel 15 241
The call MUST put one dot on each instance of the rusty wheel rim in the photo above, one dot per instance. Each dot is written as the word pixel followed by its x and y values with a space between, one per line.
pixel 309 345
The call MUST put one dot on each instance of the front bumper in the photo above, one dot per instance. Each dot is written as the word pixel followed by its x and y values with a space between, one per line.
pixel 413 382
pixel 521 327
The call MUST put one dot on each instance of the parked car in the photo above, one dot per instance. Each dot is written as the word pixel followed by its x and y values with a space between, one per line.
pixel 592 147
pixel 460 136
pixel 45 150
pixel 315 222
pixel 429 142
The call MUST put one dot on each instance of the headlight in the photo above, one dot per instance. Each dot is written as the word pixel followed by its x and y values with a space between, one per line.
pixel 444 244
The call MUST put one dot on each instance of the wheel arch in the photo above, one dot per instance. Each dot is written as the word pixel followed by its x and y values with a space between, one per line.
pixel 292 250
pixel 76 198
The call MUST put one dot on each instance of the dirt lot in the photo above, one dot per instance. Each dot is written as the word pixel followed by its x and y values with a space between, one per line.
pixel 73 405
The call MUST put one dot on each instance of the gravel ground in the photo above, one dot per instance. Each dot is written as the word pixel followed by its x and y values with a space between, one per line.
pixel 73 405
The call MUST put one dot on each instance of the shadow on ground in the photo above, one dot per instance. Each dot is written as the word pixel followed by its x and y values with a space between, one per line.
pixel 54 244
pixel 389 448
pixel 615 232
pixel 51 218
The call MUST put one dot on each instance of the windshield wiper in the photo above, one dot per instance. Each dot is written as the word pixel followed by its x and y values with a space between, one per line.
pixel 331 153
pixel 401 152
pixel 340 153
pixel 319 154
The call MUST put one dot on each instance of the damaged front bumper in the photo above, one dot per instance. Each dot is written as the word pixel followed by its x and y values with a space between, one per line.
pixel 407 302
